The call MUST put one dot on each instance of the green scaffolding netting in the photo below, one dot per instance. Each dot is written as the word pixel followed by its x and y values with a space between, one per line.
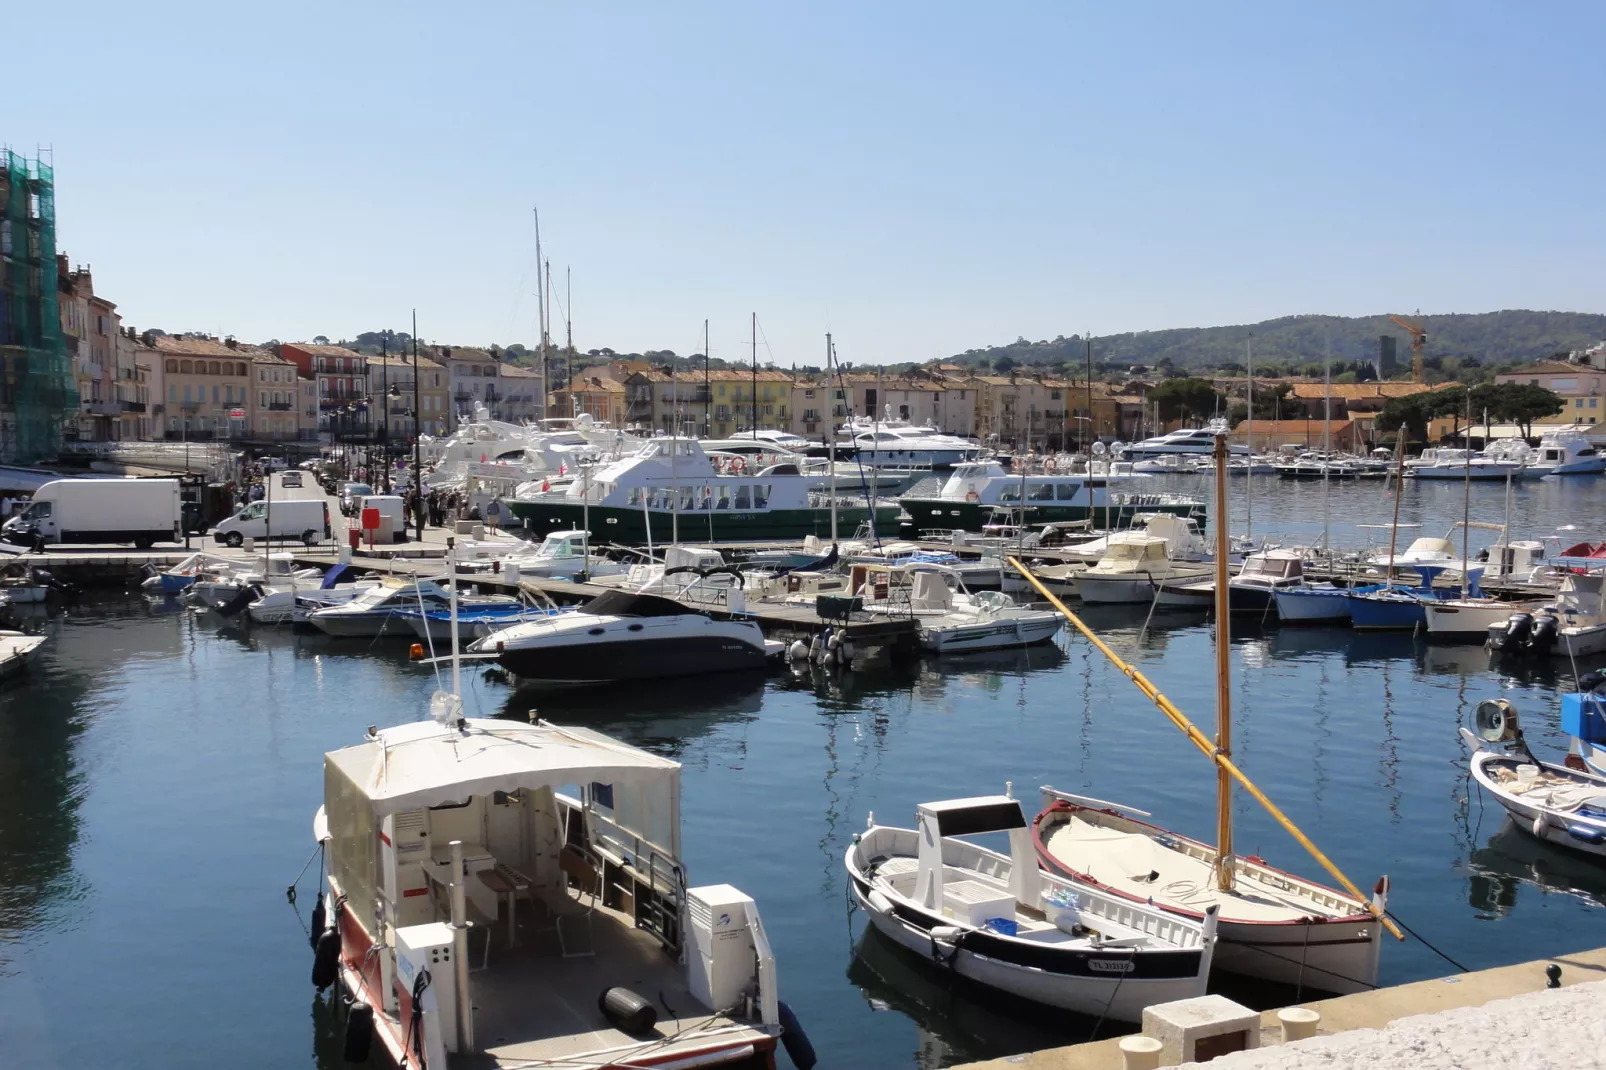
pixel 37 378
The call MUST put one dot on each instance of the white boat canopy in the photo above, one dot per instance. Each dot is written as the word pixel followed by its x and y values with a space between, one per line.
pixel 420 765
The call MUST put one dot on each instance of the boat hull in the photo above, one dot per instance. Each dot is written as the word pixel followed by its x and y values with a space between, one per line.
pixel 941 514
pixel 1371 613
pixel 360 625
pixel 1471 622
pixel 1127 588
pixel 630 527
pixel 991 635
pixel 632 659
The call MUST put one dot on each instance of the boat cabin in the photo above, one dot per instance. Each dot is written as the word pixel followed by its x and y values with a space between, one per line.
pixel 1275 567
pixel 969 902
pixel 1132 552
pixel 529 868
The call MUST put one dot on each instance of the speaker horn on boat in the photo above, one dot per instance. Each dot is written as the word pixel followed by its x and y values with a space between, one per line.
pixel 1496 721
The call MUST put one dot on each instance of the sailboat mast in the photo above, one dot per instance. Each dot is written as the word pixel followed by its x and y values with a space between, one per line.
pixel 1249 438
pixel 1224 867
pixel 540 305
pixel 1327 446
pixel 830 439
pixel 755 378
pixel 1399 489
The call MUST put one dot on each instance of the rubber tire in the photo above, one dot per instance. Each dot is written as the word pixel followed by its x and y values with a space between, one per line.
pixel 234 540
pixel 309 538
pixel 144 543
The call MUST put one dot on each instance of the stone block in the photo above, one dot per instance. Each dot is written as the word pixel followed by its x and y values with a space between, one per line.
pixel 1199 1029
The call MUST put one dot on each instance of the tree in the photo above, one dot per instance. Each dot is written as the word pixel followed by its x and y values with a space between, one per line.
pixel 1516 403
pixel 1179 398
pixel 1003 365
pixel 320 339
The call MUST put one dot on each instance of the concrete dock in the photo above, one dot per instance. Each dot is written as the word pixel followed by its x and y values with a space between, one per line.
pixel 1500 1016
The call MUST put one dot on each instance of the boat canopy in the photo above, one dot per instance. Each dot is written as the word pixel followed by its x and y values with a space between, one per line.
pixel 424 764
pixel 631 604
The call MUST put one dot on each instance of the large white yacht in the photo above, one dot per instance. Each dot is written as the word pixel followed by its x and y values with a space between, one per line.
pixel 899 444
pixel 1199 441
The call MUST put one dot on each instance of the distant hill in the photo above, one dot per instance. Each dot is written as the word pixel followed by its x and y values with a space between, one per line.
pixel 1486 338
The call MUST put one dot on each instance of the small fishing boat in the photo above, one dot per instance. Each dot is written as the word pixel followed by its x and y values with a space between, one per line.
pixel 1000 921
pixel 1132 568
pixel 1252 590
pixel 1557 804
pixel 1394 608
pixel 625 635
pixel 1317 603
pixel 1272 925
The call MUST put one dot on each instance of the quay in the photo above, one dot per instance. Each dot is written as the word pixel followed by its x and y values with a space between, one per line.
pixel 1483 1018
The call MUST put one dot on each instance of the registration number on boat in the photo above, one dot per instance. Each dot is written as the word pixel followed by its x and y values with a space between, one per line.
pixel 1111 965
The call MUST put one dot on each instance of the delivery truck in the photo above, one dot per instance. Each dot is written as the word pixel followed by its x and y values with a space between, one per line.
pixel 306 519
pixel 141 511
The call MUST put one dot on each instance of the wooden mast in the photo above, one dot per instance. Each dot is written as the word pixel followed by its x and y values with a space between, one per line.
pixel 1224 859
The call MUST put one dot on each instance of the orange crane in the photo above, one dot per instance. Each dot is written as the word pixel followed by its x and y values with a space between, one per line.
pixel 1419 338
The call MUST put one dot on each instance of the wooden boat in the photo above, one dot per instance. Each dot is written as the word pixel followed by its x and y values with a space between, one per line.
pixel 16 651
pixel 1272 924
pixel 999 921
pixel 1555 803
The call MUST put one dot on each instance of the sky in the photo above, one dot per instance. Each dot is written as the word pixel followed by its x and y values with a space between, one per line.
pixel 916 178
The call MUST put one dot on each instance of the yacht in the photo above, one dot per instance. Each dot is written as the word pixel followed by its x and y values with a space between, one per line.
pixel 1449 463
pixel 669 490
pixel 949 618
pixel 561 555
pixel 1565 451
pixel 974 490
pixel 898 444
pixel 493 884
pixel 1199 441
pixel 624 635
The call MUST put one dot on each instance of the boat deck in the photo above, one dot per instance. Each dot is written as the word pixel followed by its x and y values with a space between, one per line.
pixel 534 1006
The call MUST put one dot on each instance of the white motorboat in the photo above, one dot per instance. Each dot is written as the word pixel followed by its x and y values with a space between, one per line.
pixel 1132 569
pixel 491 884
pixel 1272 924
pixel 221 583
pixel 1172 464
pixel 1252 590
pixel 950 619
pixel 1571 625
pixel 1453 463
pixel 1472 618
pixel 1566 451
pixel 291 604
pixel 1000 921
pixel 379 609
pixel 625 635
pixel 898 444
pixel 1189 441
pixel 1557 804
pixel 17 650
pixel 975 491
pixel 562 554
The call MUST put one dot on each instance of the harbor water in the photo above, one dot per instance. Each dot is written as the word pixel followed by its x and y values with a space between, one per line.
pixel 159 769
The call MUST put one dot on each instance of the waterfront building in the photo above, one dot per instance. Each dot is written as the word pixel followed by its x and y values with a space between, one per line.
pixel 89 326
pixel 274 403
pixel 597 395
pixel 391 377
pixel 518 397
pixel 342 378
pixel 38 393
pixel 207 381
pixel 1581 383
pixel 136 388
pixel 658 401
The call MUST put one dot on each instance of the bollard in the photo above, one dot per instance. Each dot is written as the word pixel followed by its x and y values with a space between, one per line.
pixel 249 546
pixel 1298 1023
pixel 1139 1052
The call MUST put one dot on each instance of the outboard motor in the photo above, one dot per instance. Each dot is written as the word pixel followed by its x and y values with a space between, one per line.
pixel 1546 630
pixel 1515 637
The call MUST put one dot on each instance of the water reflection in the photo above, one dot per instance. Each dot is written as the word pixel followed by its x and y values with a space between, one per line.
pixel 1513 858
pixel 956 1021
pixel 674 713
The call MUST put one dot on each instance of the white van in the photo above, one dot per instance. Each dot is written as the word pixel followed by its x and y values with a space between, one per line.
pixel 306 519
pixel 140 511
pixel 392 516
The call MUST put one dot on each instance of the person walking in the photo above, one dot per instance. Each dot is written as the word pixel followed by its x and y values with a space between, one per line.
pixel 493 513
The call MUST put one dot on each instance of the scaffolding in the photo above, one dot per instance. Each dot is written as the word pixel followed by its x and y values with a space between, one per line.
pixel 37 393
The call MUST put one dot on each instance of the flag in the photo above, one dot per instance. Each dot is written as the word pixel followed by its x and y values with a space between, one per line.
pixel 545 485
pixel 483 458
pixel 563 468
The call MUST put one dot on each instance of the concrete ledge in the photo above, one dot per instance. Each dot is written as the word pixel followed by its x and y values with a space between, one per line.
pixel 1365 1010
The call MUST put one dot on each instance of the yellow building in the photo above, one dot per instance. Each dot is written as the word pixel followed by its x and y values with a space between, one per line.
pixel 745 400
pixel 391 378
pixel 206 381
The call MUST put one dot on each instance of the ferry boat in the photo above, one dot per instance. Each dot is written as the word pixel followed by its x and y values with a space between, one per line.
pixel 1197 441
pixel 669 488
pixel 493 885
pixel 975 489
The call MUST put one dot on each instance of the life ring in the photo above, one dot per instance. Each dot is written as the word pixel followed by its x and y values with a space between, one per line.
pixel 972 496
pixel 1048 465
pixel 738 465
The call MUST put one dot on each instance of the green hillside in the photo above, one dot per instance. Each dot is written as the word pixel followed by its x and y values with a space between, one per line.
pixel 1486 338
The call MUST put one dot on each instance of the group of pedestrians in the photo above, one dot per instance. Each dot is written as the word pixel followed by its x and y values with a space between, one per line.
pixel 442 508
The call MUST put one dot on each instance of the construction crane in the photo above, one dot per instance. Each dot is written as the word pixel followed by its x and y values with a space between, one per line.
pixel 1419 338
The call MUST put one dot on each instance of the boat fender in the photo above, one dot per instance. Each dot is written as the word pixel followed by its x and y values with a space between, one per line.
pixel 326 959
pixel 794 1040
pixel 947 934
pixel 798 650
pixel 879 901
pixel 320 922
pixel 1539 825
pixel 835 641
pixel 845 652
pixel 359 1032
pixel 1587 834
pixel 626 1011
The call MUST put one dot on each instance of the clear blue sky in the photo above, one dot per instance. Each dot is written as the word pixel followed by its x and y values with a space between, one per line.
pixel 919 178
